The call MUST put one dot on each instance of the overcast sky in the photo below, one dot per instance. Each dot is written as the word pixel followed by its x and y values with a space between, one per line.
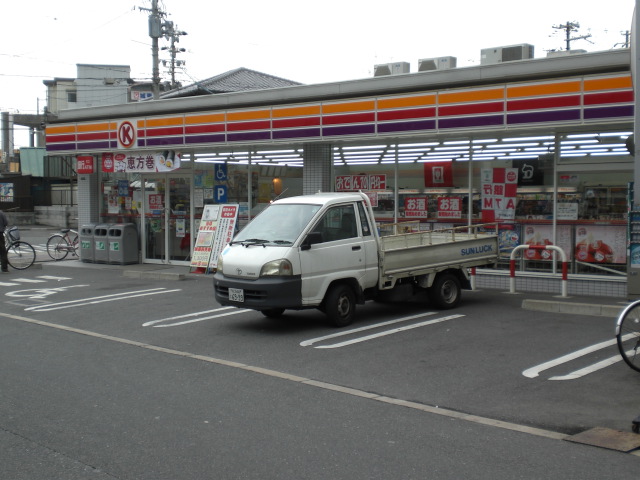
pixel 309 42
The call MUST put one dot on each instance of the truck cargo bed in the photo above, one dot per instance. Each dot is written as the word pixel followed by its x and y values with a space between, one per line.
pixel 419 253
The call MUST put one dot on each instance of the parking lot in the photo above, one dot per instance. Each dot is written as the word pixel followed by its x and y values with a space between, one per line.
pixel 153 339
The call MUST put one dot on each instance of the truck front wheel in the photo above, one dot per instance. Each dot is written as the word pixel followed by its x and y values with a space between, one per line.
pixel 340 305
pixel 445 292
pixel 273 312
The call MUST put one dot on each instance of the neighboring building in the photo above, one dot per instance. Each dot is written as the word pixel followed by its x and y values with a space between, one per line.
pixel 96 85
pixel 237 80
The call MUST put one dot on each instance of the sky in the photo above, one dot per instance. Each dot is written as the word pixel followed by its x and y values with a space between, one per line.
pixel 309 42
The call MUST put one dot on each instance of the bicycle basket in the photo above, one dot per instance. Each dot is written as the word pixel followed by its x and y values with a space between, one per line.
pixel 14 234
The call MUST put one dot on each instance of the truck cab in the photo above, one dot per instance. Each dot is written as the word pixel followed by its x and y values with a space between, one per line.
pixel 312 251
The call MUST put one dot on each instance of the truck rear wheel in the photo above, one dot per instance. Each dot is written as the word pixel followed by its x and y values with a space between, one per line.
pixel 445 292
pixel 340 305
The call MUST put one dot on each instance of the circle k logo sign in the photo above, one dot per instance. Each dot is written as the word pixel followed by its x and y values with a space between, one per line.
pixel 126 135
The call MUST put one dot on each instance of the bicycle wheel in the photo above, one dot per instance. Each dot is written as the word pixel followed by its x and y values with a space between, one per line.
pixel 57 247
pixel 75 244
pixel 628 335
pixel 21 255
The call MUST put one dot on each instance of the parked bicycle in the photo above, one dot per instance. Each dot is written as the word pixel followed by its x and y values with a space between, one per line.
pixel 59 245
pixel 20 254
pixel 628 335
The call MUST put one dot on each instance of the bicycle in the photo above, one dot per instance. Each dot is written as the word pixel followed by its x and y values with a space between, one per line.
pixel 628 335
pixel 20 254
pixel 59 245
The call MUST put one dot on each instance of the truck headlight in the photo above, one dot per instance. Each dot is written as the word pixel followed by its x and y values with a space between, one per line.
pixel 219 267
pixel 277 268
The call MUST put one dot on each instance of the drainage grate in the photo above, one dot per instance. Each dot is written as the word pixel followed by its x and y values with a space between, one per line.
pixel 607 438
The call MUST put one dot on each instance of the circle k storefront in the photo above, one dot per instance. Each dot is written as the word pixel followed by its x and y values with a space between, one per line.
pixel 538 146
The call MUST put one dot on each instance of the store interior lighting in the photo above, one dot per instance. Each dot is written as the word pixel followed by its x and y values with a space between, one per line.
pixel 597 144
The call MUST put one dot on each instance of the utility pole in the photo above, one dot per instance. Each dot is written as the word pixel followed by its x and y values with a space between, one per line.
pixel 174 37
pixel 627 40
pixel 155 32
pixel 568 28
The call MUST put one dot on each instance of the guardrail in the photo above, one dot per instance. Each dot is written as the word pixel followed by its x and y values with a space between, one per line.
pixel 512 265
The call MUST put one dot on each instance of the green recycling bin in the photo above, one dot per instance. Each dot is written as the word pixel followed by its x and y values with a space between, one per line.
pixel 87 248
pixel 101 243
pixel 123 244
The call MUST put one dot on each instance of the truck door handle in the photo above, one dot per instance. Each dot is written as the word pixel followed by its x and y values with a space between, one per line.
pixel 356 247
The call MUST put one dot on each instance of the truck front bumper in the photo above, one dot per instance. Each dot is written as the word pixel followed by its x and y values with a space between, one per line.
pixel 261 294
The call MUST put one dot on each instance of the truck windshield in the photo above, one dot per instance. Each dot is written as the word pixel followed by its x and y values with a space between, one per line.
pixel 279 224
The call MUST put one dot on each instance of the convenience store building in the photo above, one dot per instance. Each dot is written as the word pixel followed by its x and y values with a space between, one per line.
pixel 439 148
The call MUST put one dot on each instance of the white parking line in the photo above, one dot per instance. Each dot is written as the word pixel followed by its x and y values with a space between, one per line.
pixel 589 369
pixel 306 343
pixel 94 300
pixel 12 281
pixel 535 371
pixel 196 314
pixel 379 334
pixel 390 332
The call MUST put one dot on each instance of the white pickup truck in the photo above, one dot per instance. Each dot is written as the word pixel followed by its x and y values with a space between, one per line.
pixel 324 251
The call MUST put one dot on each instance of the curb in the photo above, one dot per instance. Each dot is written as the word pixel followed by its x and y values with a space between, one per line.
pixel 154 275
pixel 612 311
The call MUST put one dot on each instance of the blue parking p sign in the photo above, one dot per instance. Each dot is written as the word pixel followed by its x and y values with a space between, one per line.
pixel 220 193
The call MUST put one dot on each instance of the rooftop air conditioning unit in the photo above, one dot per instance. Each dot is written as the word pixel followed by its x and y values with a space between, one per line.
pixel 395 68
pixel 438 63
pixel 491 56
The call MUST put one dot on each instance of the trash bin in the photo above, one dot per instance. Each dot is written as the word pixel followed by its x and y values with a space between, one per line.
pixel 87 248
pixel 123 244
pixel 101 244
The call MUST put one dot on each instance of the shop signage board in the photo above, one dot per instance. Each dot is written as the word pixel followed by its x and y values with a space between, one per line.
pixel 353 183
pixel 140 162
pixel 217 226
pixel 499 188
pixel 84 164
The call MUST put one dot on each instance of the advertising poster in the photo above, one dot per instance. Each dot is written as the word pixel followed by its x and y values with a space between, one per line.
pixel 601 244
pixel 204 240
pixel 6 192
pixel 543 235
pixel 438 174
pixel 449 207
pixel 415 207
pixel 224 233
pixel 499 188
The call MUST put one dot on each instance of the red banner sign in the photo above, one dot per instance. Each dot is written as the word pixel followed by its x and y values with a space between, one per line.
pixel 85 164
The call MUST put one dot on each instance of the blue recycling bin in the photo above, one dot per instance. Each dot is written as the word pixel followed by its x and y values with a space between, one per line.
pixel 87 247
pixel 123 244
pixel 101 243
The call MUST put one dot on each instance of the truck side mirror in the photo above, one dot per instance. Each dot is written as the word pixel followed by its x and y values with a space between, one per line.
pixel 312 238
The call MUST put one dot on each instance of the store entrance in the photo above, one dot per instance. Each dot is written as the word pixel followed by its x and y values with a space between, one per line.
pixel 167 219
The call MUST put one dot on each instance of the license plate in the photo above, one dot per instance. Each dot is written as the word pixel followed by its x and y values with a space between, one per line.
pixel 236 295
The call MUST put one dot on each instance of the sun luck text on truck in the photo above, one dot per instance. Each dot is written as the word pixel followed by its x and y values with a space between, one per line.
pixel 476 250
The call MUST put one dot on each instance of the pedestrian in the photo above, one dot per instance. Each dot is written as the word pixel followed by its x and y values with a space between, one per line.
pixel 3 248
